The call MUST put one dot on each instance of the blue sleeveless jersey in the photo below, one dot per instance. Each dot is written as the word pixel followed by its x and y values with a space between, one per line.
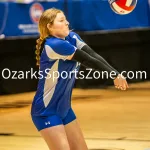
pixel 53 95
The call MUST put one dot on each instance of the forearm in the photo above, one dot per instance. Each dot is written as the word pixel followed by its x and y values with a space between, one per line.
pixel 91 62
pixel 91 52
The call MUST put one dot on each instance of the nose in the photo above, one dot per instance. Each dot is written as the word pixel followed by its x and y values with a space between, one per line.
pixel 67 23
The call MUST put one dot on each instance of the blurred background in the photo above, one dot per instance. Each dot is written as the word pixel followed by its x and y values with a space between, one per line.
pixel 123 40
pixel 116 120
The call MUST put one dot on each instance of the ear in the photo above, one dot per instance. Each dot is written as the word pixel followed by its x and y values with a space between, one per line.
pixel 49 26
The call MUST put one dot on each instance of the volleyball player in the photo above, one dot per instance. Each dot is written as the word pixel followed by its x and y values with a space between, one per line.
pixel 62 50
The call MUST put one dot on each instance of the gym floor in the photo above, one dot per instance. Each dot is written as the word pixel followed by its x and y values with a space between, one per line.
pixel 110 119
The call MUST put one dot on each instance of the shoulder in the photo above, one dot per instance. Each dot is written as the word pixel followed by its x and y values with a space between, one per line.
pixel 73 34
pixel 59 46
pixel 56 43
pixel 53 41
pixel 75 38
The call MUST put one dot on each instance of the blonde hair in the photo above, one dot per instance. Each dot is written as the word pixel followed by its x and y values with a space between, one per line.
pixel 48 16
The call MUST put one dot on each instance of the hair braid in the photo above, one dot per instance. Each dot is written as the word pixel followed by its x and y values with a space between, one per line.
pixel 39 42
pixel 47 17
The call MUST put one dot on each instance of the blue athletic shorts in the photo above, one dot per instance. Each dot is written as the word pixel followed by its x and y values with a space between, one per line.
pixel 42 122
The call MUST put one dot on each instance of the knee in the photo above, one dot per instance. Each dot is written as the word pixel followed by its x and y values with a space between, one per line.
pixel 64 145
pixel 58 145
pixel 78 146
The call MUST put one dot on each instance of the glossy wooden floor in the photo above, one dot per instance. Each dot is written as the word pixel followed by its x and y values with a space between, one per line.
pixel 110 119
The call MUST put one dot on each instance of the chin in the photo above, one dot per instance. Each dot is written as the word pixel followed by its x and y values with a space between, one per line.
pixel 67 33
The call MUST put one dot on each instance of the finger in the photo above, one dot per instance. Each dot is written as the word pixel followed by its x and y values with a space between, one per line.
pixel 121 84
pixel 124 89
pixel 118 87
pixel 121 87
pixel 124 86
pixel 127 85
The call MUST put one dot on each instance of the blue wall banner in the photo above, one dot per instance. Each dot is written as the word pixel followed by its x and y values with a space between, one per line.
pixel 19 19
pixel 89 15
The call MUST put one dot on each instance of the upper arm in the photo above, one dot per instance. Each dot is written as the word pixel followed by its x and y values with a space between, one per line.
pixel 59 49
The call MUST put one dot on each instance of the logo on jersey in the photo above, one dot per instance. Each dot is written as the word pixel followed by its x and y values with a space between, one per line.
pixel 46 123
pixel 36 11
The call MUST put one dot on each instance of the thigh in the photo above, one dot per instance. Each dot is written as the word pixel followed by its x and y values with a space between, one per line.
pixel 74 133
pixel 55 137
pixel 52 130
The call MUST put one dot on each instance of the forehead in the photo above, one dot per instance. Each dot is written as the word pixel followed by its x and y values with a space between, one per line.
pixel 60 15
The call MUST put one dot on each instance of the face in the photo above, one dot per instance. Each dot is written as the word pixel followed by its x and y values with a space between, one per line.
pixel 60 27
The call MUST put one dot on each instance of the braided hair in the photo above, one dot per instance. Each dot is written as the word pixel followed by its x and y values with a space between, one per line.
pixel 39 42
pixel 47 17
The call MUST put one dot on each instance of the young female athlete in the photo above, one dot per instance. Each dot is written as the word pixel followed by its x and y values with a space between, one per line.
pixel 62 50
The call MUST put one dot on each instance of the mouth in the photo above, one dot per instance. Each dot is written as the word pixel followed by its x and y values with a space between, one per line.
pixel 67 29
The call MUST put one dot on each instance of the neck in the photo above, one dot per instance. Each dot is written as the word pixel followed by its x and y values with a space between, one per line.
pixel 59 37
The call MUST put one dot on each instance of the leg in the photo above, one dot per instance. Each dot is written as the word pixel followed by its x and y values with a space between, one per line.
pixel 52 130
pixel 55 138
pixel 74 133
